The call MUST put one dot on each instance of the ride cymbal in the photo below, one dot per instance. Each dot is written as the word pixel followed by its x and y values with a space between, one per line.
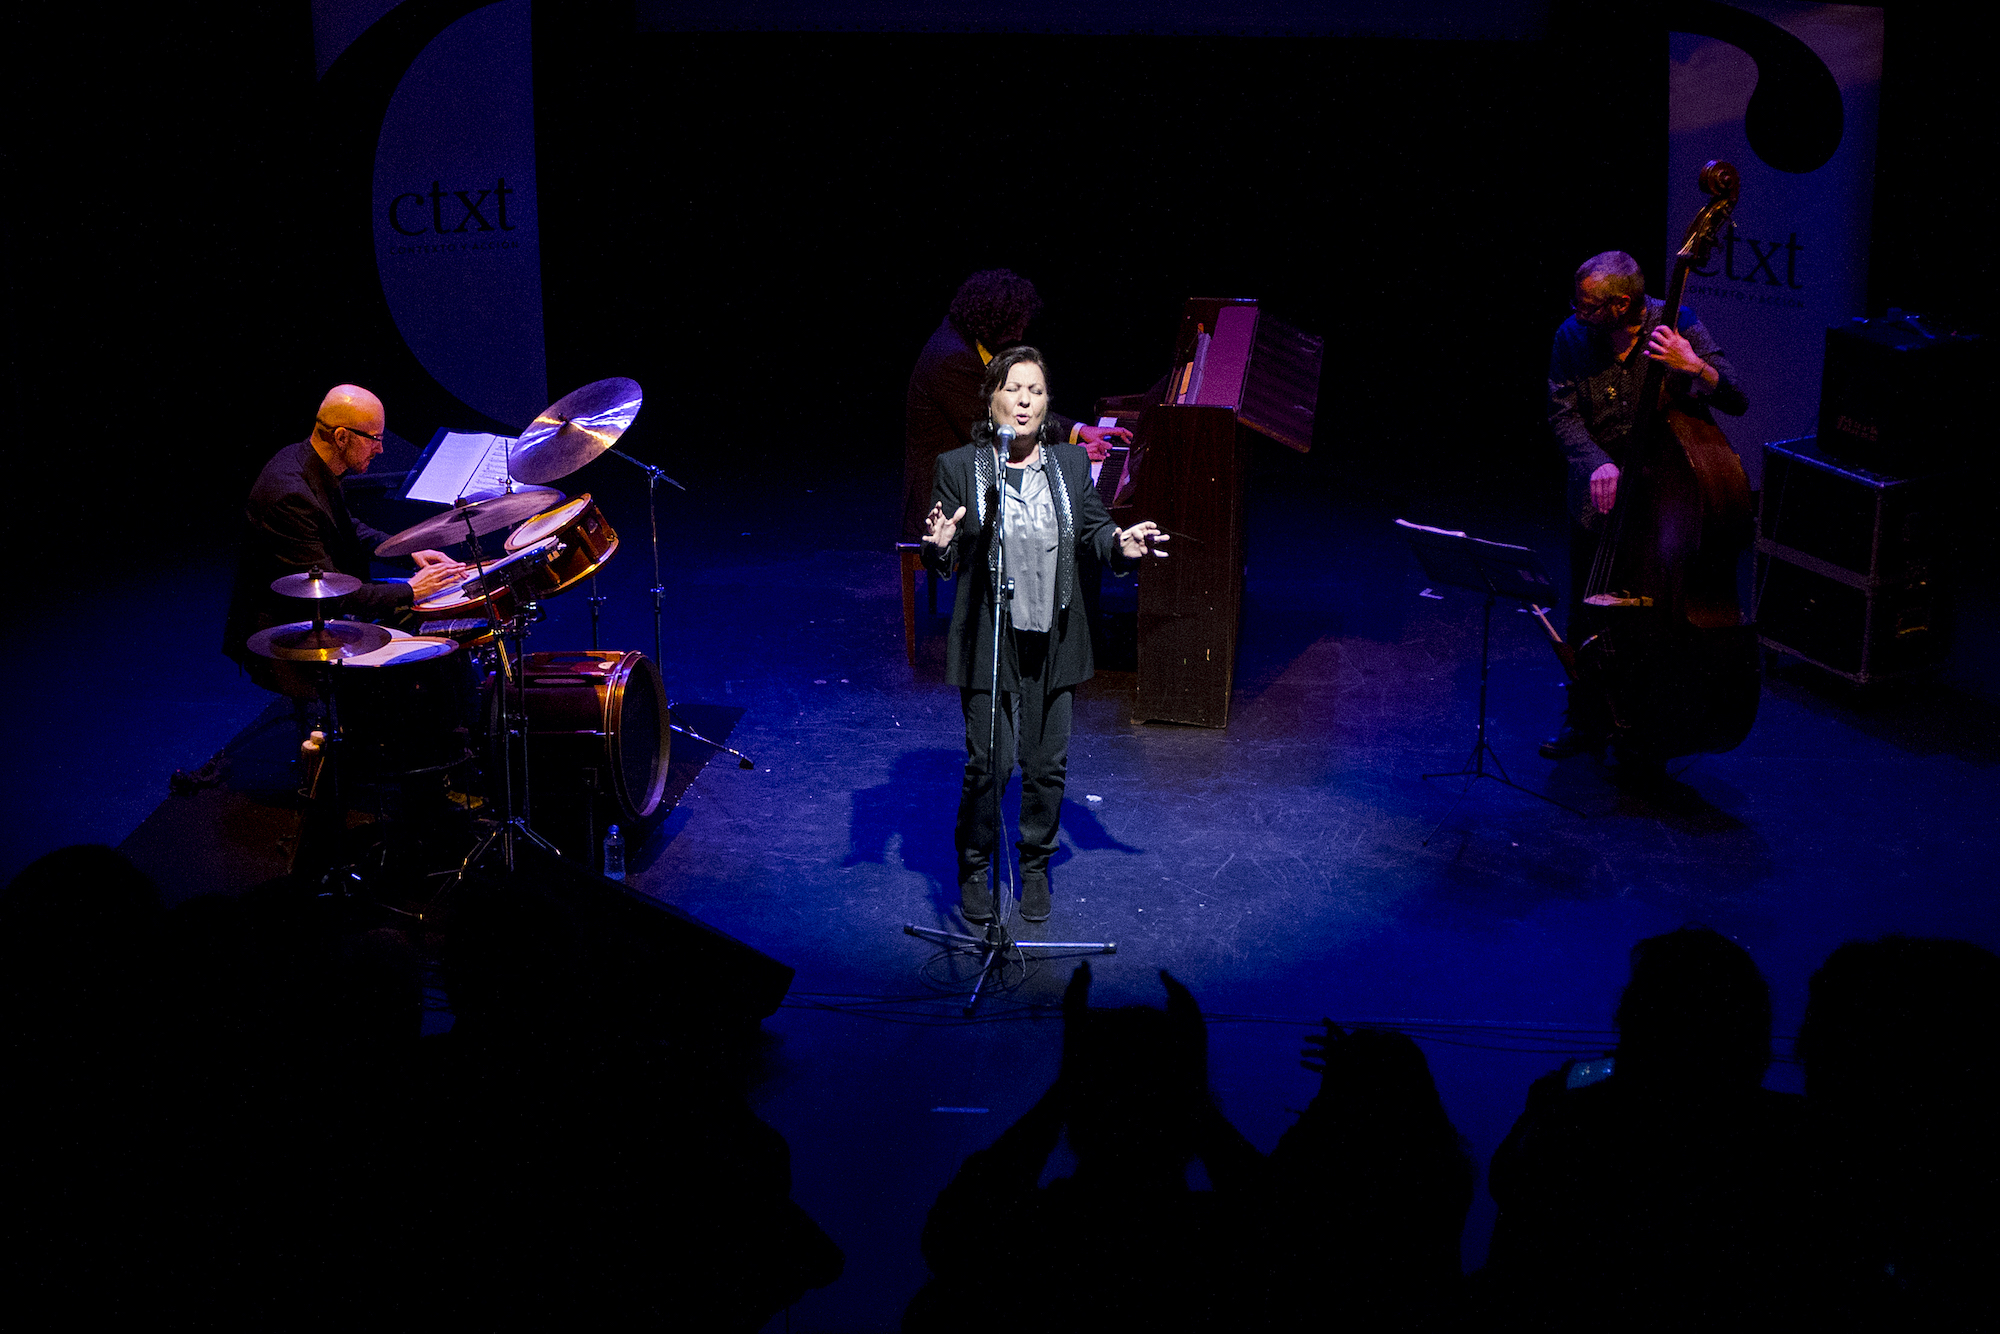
pixel 574 430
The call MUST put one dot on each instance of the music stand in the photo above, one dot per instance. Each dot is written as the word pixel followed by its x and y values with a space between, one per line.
pixel 1498 570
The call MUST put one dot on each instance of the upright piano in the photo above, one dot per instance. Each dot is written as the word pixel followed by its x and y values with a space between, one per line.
pixel 1235 370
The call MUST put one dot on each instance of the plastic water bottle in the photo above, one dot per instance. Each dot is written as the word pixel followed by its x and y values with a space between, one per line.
pixel 614 854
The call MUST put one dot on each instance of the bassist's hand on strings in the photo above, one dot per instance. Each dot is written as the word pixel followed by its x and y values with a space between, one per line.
pixel 1667 346
pixel 1604 487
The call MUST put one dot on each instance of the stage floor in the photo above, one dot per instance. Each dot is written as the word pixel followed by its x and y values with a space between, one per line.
pixel 1276 867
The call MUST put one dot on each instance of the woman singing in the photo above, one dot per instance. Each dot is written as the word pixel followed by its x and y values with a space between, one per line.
pixel 1050 514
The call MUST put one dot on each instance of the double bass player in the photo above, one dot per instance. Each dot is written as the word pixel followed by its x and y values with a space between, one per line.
pixel 1597 375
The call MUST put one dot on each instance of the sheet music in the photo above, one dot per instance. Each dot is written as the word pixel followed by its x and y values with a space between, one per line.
pixel 463 464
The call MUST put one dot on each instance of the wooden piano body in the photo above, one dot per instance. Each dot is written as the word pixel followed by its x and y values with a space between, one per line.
pixel 1235 371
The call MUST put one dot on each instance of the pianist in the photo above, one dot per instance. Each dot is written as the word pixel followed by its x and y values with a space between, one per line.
pixel 1052 519
pixel 990 312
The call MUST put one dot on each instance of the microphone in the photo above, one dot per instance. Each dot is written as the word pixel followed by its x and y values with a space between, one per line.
pixel 1003 439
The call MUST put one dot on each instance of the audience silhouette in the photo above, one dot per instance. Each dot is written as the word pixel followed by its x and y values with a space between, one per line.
pixel 1124 1243
pixel 77 929
pixel 228 1115
pixel 1369 1192
pixel 1672 1193
pixel 1901 1045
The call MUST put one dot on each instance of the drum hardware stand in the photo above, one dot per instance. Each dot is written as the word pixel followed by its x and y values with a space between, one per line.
pixel 1497 570
pixel 742 761
pixel 995 946
pixel 324 818
pixel 654 477
pixel 513 714
pixel 597 601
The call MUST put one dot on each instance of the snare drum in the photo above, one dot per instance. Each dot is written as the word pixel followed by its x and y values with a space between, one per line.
pixel 545 555
pixel 516 578
pixel 587 537
pixel 403 707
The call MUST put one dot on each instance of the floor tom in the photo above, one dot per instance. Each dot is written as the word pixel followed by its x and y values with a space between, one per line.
pixel 403 707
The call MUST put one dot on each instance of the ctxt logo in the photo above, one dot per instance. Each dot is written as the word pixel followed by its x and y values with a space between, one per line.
pixel 1757 259
pixel 466 210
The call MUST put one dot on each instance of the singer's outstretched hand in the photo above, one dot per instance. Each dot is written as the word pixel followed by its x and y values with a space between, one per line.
pixel 940 531
pixel 1141 538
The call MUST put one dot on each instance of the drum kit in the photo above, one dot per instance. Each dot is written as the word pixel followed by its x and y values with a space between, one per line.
pixel 401 706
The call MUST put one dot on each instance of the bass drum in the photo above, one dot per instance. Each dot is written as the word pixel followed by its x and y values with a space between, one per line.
pixel 594 710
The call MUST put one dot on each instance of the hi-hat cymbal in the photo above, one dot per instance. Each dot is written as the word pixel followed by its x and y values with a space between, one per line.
pixel 302 641
pixel 480 514
pixel 315 584
pixel 574 430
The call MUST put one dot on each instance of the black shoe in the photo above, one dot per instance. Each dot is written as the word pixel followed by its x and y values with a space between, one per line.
pixel 1035 904
pixel 1570 742
pixel 975 899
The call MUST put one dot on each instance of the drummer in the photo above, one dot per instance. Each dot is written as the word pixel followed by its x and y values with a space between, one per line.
pixel 296 518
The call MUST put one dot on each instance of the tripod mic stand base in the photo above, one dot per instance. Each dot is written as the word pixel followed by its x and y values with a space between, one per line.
pixel 996 946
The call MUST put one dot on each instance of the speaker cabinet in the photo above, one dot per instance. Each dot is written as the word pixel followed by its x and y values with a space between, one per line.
pixel 1899 397
pixel 653 964
pixel 1852 565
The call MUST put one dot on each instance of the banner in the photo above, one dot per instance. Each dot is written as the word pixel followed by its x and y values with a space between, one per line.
pixel 1789 93
pixel 453 208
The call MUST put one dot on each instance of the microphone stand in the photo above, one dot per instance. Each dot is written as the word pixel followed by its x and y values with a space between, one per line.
pixel 654 476
pixel 995 946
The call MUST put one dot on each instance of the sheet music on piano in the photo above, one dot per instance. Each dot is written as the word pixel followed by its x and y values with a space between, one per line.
pixel 457 464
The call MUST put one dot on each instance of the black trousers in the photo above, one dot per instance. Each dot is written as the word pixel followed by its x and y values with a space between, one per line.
pixel 1033 728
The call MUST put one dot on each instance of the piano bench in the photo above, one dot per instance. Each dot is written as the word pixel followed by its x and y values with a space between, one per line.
pixel 912 558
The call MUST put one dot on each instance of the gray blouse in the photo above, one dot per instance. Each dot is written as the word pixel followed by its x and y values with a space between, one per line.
pixel 1030 537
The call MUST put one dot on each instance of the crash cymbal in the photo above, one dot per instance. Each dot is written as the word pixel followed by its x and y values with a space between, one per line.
pixel 315 584
pixel 302 641
pixel 575 430
pixel 482 514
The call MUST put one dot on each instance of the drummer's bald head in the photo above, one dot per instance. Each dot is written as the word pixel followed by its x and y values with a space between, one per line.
pixel 347 429
pixel 347 405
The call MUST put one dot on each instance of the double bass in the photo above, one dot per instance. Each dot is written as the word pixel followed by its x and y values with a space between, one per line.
pixel 1670 666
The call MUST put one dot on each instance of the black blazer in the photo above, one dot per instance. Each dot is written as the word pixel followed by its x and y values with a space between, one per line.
pixel 1085 529
pixel 296 518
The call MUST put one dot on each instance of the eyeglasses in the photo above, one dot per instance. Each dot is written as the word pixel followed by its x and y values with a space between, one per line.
pixel 1596 307
pixel 354 429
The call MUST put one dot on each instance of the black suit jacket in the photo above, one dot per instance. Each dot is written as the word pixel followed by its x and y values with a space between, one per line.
pixel 1086 532
pixel 939 409
pixel 296 518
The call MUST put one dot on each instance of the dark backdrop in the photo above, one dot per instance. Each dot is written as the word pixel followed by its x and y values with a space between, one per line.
pixel 762 229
